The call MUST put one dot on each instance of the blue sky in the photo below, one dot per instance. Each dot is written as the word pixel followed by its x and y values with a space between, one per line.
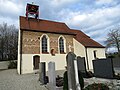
pixel 94 17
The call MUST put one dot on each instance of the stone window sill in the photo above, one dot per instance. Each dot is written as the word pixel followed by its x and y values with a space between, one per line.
pixel 62 53
pixel 45 52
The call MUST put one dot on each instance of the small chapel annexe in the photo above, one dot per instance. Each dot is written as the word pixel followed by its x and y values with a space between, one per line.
pixel 44 41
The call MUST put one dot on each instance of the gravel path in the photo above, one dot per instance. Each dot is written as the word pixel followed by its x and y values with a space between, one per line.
pixel 10 80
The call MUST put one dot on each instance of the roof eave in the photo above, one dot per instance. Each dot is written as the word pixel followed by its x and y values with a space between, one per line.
pixel 94 47
pixel 48 32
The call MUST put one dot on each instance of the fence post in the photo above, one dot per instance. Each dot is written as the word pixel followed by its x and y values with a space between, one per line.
pixel 52 76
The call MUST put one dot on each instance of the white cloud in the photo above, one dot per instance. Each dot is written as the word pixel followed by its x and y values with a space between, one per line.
pixel 9 7
pixel 93 33
pixel 104 1
pixel 58 3
pixel 96 23
pixel 99 16
pixel 9 21
pixel 93 19
pixel 111 50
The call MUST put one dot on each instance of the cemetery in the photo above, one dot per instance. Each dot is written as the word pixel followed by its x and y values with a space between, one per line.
pixel 105 74
pixel 45 47
pixel 76 77
pixel 54 56
pixel 41 40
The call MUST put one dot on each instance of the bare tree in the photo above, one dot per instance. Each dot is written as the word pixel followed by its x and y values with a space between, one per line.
pixel 113 39
pixel 8 42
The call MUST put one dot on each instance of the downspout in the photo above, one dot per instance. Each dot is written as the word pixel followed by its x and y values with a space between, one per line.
pixel 21 34
pixel 87 58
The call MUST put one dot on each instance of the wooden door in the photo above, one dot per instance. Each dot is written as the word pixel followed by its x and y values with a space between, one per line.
pixel 36 60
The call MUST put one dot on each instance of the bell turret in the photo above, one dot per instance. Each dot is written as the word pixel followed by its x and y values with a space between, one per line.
pixel 32 11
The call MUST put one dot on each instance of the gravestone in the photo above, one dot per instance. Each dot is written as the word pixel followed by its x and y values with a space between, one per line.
pixel 76 75
pixel 42 72
pixel 103 68
pixel 116 62
pixel 52 76
pixel 70 70
pixel 81 64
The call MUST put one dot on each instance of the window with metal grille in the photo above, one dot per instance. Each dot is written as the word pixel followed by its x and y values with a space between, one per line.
pixel 61 45
pixel 44 44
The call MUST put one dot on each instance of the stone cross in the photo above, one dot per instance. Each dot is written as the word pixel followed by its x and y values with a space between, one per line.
pixel 52 76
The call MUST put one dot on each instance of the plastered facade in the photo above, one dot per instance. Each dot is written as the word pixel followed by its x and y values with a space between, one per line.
pixel 82 51
pixel 100 53
pixel 27 61
pixel 31 46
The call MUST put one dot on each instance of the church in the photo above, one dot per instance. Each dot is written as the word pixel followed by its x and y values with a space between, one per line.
pixel 44 41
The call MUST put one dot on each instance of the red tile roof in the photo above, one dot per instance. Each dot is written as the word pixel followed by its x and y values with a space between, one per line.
pixel 57 27
pixel 85 40
pixel 43 25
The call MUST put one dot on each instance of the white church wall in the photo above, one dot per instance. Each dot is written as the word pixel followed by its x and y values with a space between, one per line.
pixel 18 61
pixel 27 61
pixel 79 49
pixel 59 59
pixel 100 53
pixel 18 64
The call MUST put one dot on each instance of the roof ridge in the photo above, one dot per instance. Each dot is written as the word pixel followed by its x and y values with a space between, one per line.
pixel 44 20
pixel 79 31
pixel 86 40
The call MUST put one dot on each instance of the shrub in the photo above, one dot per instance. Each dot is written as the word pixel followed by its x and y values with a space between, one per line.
pixel 12 65
pixel 90 74
pixel 81 80
pixel 97 86
pixel 59 81
pixel 65 81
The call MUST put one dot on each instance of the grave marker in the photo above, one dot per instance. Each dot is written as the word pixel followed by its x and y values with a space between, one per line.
pixel 52 76
pixel 103 68
pixel 42 72
pixel 70 70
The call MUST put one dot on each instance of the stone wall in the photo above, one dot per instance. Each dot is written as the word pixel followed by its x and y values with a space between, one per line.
pixel 31 42
pixel 4 64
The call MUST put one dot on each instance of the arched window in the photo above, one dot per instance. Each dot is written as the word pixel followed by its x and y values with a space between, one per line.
pixel 61 45
pixel 44 44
